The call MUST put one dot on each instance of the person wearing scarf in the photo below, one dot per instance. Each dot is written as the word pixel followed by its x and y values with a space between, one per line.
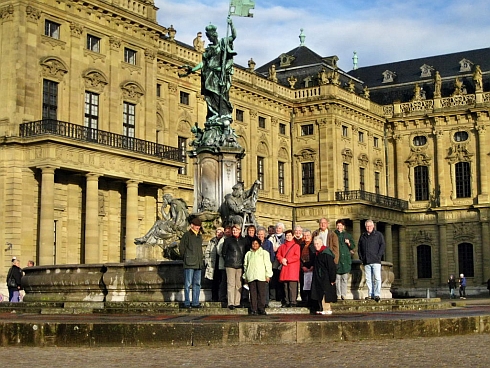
pixel 288 256
pixel 323 288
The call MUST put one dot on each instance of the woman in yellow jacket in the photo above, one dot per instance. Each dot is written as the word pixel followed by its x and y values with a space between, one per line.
pixel 257 271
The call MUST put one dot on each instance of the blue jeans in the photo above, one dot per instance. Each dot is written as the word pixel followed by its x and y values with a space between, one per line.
pixel 192 277
pixel 373 279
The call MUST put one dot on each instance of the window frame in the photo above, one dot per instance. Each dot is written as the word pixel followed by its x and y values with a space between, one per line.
pixel 262 122
pixel 93 46
pixel 50 99
pixel 130 56
pixel 282 128
pixel 424 261
pixel 52 29
pixel 421 182
pixel 307 129
pixel 462 179
pixel 182 146
pixel 307 178
pixel 239 115
pixel 261 171
pixel 281 180
pixel 184 98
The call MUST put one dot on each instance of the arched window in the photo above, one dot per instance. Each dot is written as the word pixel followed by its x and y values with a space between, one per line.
pixel 424 262
pixel 465 258
pixel 421 183
pixel 463 180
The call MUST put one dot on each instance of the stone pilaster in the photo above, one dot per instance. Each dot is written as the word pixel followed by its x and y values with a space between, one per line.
pixel 485 244
pixel 482 175
pixel 356 234
pixel 131 218
pixel 92 249
pixel 46 221
pixel 440 169
pixel 401 176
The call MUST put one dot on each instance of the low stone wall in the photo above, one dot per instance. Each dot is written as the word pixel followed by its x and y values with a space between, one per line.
pixel 151 281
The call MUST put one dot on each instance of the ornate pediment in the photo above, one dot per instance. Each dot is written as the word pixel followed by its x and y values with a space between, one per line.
pixel 363 160
pixel 378 164
pixel 426 71
pixel 458 152
pixel 465 65
pixel 95 80
pixel 422 237
pixel 283 154
pixel 53 67
pixel 262 148
pixel 132 91
pixel 306 155
pixel 347 155
pixel 463 232
pixel 418 157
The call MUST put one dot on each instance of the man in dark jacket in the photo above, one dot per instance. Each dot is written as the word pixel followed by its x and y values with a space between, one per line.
pixel 234 249
pixel 190 248
pixel 371 250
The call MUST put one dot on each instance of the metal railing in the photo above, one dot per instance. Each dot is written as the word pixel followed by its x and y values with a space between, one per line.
pixel 85 134
pixel 353 195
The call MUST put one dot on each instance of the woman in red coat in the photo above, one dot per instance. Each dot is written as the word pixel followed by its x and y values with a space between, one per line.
pixel 288 256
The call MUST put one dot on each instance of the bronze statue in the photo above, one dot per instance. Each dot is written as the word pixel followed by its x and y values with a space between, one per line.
pixel 216 72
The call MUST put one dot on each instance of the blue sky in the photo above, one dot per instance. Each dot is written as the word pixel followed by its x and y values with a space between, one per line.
pixel 379 31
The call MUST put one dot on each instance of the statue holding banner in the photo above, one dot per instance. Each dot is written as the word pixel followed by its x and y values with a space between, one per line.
pixel 216 73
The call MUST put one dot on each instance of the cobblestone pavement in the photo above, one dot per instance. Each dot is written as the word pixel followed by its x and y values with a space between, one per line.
pixel 453 351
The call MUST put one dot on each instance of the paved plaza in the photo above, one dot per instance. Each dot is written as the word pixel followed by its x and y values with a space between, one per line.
pixel 452 351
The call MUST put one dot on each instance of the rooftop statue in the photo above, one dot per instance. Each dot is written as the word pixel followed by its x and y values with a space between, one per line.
pixel 216 72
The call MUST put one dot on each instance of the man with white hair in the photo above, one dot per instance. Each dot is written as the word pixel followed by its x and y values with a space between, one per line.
pixel 371 250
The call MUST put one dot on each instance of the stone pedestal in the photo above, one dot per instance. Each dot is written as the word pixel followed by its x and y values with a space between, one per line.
pixel 214 176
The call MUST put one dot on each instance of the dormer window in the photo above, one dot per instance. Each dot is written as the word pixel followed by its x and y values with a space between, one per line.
pixel 465 65
pixel 286 60
pixel 388 76
pixel 426 71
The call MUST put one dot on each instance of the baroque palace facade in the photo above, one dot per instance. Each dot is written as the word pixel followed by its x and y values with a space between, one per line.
pixel 95 124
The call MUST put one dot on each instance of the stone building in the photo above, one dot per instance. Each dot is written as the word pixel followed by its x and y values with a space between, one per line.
pixel 95 124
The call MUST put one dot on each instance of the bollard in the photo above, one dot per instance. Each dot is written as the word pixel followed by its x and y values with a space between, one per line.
pixel 428 293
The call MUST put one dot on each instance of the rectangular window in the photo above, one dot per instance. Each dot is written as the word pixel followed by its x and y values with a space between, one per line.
pixel 128 124
pixel 307 129
pixel 50 99
pixel 129 56
pixel 184 98
pixel 361 137
pixel 280 177
pixel 466 262
pixel 261 122
pixel 182 144
pixel 91 114
pixel 362 178
pixel 421 183
pixel 345 176
pixel 52 29
pixel 463 180
pixel 345 131
pixel 239 115
pixel 260 171
pixel 282 128
pixel 376 183
pixel 376 142
pixel 93 43
pixel 308 177
pixel 159 90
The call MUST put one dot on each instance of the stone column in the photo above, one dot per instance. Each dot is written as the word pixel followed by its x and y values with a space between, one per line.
pixel 356 234
pixel 131 218
pixel 443 262
pixel 404 266
pixel 46 221
pixel 389 243
pixel 92 251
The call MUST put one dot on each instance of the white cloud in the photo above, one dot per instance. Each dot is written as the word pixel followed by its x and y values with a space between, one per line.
pixel 380 31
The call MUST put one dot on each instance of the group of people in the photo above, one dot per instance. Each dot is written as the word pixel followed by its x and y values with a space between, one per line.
pixel 274 263
pixel 14 280
pixel 452 282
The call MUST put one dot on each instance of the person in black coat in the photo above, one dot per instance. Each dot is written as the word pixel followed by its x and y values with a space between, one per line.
pixel 234 249
pixel 323 288
pixel 15 273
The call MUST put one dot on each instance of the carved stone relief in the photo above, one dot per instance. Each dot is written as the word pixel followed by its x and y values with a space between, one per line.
pixel 53 67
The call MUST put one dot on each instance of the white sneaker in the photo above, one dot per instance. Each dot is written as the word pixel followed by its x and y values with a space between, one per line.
pixel 324 312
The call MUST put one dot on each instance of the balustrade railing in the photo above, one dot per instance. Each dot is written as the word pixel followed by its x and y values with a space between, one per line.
pixel 354 195
pixel 86 134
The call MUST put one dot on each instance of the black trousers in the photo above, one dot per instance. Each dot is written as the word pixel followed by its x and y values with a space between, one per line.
pixel 257 295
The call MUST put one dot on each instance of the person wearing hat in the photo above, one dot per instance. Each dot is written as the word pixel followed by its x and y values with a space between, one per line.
pixel 190 248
